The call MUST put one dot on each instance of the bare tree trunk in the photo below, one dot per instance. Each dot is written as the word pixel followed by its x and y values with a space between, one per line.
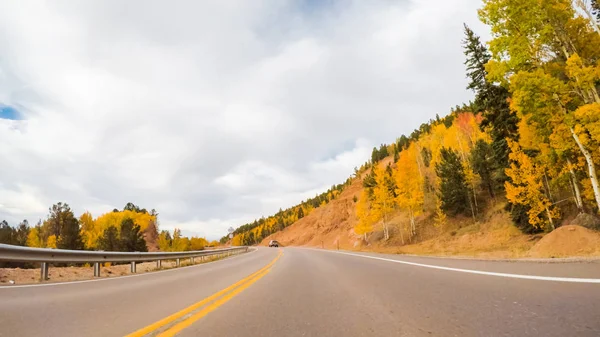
pixel 584 8
pixel 471 205
pixel 385 229
pixel 575 186
pixel 572 184
pixel 386 234
pixel 475 199
pixel 588 159
pixel 401 235
pixel 550 218
pixel 547 187
pixel 591 167
pixel 418 162
pixel 410 222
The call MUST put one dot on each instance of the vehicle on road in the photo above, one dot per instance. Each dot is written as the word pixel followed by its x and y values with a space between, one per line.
pixel 273 243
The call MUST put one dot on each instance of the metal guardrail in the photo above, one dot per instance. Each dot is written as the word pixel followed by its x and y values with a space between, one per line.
pixel 46 256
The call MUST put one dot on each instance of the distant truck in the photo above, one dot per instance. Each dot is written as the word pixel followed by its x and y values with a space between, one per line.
pixel 273 243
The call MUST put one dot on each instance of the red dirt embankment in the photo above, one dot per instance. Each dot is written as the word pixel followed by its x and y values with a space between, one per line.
pixel 326 226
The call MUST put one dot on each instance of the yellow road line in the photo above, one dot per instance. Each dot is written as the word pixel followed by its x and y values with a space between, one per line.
pixel 190 320
pixel 152 327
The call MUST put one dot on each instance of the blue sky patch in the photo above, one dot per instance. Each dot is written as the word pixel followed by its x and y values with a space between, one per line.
pixel 314 5
pixel 8 112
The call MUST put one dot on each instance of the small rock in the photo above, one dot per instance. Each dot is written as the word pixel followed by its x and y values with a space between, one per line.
pixel 571 229
pixel 11 282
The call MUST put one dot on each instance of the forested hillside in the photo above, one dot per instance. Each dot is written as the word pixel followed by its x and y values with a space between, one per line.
pixel 255 232
pixel 527 146
pixel 129 230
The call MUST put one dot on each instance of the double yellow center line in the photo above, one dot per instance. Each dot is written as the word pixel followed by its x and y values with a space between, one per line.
pixel 180 320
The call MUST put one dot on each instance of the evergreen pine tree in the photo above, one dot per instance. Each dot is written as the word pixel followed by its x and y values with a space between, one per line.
pixel 383 151
pixel 6 233
pixel 454 193
pixel 374 155
pixel 64 225
pixel 483 163
pixel 491 100
pixel 300 213
pixel 21 233
pixel 389 181
pixel 131 238
pixel 109 241
pixel 402 143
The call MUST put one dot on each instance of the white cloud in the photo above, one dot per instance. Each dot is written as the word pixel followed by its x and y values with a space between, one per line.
pixel 213 112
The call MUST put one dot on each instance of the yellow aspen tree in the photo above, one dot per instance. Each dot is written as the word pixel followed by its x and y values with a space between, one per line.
pixel 89 231
pixel 541 100
pixel 237 240
pixel 363 212
pixel 409 186
pixel 589 115
pixel 469 133
pixel 178 244
pixel 51 243
pixel 527 50
pixel 526 188
pixel 164 241
pixel 440 216
pixel 197 243
pixel 34 238
pixel 471 180
pixel 383 201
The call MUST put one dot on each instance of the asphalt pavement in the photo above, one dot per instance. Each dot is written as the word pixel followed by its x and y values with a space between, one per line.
pixel 310 292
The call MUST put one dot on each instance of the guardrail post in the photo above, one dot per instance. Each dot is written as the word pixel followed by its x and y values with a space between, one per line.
pixel 44 272
pixel 158 264
pixel 178 263
pixel 133 267
pixel 192 260
pixel 96 269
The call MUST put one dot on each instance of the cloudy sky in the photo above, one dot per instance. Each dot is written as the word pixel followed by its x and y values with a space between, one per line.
pixel 212 112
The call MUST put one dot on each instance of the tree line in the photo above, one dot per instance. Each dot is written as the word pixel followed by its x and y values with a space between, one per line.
pixel 132 229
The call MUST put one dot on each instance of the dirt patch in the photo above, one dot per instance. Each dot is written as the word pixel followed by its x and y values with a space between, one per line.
pixel 328 226
pixel 63 274
pixel 568 241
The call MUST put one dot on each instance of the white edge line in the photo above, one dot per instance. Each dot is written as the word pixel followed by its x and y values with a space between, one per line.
pixel 478 272
pixel 110 278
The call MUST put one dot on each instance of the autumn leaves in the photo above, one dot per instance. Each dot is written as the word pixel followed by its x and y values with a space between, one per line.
pixel 532 132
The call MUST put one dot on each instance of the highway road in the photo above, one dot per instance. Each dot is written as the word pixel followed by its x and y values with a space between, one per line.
pixel 310 292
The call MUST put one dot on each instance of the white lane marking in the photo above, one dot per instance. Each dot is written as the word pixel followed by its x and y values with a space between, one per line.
pixel 488 273
pixel 111 278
